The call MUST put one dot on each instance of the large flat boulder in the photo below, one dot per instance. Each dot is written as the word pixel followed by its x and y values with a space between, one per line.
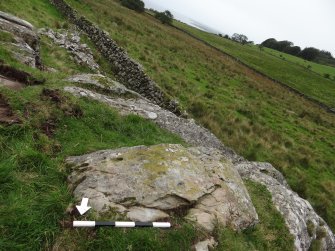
pixel 154 181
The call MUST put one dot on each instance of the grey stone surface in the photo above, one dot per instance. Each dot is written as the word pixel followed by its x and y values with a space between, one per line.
pixel 25 46
pixel 146 214
pixel 185 128
pixel 81 53
pixel 164 177
pixel 296 211
pixel 103 83
pixel 16 20
pixel 128 72
pixel 206 245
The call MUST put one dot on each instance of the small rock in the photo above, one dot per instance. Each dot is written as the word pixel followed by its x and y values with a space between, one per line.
pixel 145 214
pixel 206 245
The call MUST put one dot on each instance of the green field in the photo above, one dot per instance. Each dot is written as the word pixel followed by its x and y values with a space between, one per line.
pixel 317 68
pixel 33 188
pixel 291 71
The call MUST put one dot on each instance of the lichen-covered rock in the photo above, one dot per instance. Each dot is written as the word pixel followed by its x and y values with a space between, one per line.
pixel 25 44
pixel 186 128
pixel 82 54
pixel 297 212
pixel 103 83
pixel 164 177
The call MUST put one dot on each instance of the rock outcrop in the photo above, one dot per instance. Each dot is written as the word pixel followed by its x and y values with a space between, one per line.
pixel 185 128
pixel 128 71
pixel 81 53
pixel 25 45
pixel 103 84
pixel 296 211
pixel 302 221
pixel 150 182
pixel 206 245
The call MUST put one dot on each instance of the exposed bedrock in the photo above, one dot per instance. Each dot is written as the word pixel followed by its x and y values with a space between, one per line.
pixel 149 182
pixel 25 44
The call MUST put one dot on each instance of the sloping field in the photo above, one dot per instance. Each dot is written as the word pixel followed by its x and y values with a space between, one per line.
pixel 259 119
pixel 54 125
pixel 289 71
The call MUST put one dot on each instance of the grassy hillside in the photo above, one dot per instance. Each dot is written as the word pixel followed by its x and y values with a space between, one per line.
pixel 259 119
pixel 33 187
pixel 314 67
pixel 287 71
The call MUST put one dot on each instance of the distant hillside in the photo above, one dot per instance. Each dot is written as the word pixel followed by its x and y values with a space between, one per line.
pixel 288 69
pixel 62 99
pixel 259 119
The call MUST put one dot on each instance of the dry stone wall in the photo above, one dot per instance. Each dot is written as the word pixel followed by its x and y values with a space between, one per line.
pixel 127 71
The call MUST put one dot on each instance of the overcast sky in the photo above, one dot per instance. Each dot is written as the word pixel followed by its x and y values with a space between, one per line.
pixel 304 22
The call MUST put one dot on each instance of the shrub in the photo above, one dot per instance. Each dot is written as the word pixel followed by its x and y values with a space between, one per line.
pixel 165 17
pixel 136 5
pixel 326 75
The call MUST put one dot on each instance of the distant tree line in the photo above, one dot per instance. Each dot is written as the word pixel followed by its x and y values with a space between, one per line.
pixel 165 17
pixel 239 38
pixel 136 5
pixel 309 53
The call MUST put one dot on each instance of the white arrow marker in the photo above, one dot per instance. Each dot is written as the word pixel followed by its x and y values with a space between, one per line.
pixel 83 208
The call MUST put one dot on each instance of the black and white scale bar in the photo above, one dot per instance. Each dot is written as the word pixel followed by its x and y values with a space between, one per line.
pixel 121 224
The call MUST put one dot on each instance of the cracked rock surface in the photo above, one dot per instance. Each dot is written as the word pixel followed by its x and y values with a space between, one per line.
pixel 151 181
pixel 297 212
pixel 187 129
pixel 25 45
pixel 81 53
pixel 102 83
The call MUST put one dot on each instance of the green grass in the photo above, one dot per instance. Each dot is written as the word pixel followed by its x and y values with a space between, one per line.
pixel 291 71
pixel 33 187
pixel 259 119
pixel 317 68
pixel 265 235
pixel 40 13
pixel 59 58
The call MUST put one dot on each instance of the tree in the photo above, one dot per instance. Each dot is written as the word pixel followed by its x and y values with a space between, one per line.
pixel 270 43
pixel 309 53
pixel 136 5
pixel 282 45
pixel 294 50
pixel 240 38
pixel 165 17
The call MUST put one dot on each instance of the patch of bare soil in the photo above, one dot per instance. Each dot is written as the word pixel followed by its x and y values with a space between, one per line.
pixel 18 76
pixel 6 114
pixel 10 83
